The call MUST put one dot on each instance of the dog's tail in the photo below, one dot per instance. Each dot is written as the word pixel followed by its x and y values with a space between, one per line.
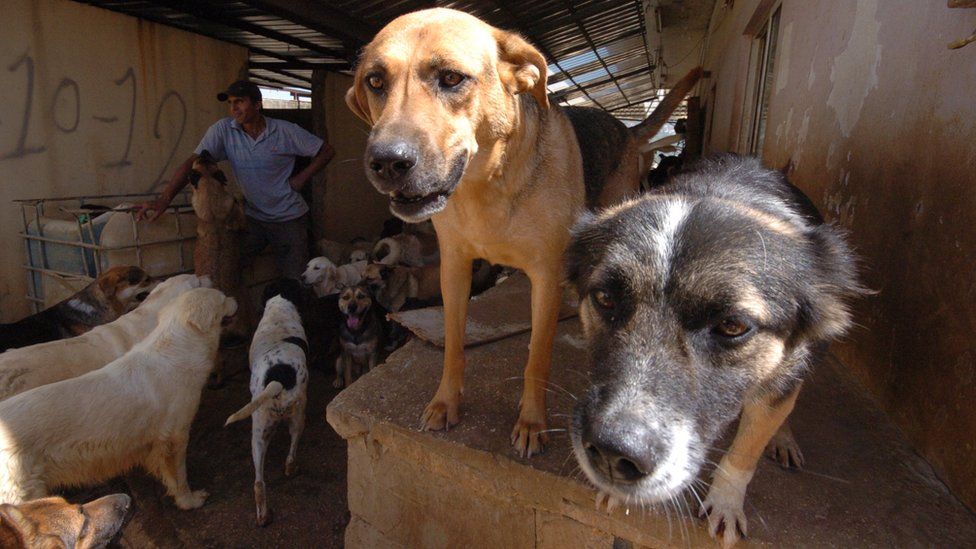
pixel 270 391
pixel 387 251
pixel 653 123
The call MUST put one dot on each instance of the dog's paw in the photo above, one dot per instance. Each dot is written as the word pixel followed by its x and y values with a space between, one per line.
pixel 440 415
pixel 192 500
pixel 265 519
pixel 723 507
pixel 338 383
pixel 783 449
pixel 529 437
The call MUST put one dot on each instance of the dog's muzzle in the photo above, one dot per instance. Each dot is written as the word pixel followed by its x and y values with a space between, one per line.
pixel 417 188
pixel 631 455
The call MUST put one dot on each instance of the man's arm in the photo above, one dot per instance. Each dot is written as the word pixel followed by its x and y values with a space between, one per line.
pixel 174 186
pixel 318 163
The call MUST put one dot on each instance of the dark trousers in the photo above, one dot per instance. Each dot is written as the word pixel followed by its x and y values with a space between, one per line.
pixel 288 241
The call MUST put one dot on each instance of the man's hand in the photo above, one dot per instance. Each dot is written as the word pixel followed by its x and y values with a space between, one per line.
pixel 297 183
pixel 157 207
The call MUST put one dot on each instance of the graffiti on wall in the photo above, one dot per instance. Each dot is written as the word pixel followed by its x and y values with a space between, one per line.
pixel 67 119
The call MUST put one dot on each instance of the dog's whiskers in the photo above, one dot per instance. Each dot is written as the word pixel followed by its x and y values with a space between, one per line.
pixel 547 385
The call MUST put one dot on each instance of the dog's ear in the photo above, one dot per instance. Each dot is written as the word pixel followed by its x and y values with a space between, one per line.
pixel 522 68
pixel 356 98
pixel 134 276
pixel 14 527
pixel 585 250
pixel 202 308
pixel 826 307
pixel 108 283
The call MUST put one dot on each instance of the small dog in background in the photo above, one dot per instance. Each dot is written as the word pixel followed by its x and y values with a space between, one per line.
pixel 279 381
pixel 360 335
pixel 395 285
pixel 326 278
pixel 402 248
pixel 53 522
pixel 114 293
pixel 341 253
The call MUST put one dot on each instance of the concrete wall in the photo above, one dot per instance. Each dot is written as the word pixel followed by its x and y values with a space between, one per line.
pixel 352 206
pixel 877 117
pixel 94 102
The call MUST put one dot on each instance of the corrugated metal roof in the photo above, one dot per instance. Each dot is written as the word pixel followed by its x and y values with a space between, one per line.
pixel 597 49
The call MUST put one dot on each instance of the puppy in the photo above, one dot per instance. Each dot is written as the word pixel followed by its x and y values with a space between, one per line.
pixel 360 335
pixel 393 286
pixel 706 300
pixel 463 134
pixel 279 380
pixel 53 522
pixel 29 367
pixel 326 278
pixel 114 293
pixel 137 410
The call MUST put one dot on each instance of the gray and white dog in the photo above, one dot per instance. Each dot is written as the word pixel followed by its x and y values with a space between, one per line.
pixel 707 298
pixel 279 381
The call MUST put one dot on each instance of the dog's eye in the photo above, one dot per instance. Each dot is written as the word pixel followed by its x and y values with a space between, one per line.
pixel 450 79
pixel 603 299
pixel 375 82
pixel 732 327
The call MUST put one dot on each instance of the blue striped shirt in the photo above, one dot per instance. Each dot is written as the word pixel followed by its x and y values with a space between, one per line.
pixel 262 166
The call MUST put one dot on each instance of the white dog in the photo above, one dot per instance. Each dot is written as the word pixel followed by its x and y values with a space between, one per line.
pixel 326 278
pixel 136 410
pixel 29 367
pixel 279 380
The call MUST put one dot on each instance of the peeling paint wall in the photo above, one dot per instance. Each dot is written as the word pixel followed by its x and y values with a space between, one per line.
pixel 94 102
pixel 878 118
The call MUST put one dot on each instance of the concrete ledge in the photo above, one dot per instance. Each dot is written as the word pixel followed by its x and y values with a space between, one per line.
pixel 465 487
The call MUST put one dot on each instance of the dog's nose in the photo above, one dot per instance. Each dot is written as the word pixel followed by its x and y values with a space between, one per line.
pixel 391 161
pixel 622 447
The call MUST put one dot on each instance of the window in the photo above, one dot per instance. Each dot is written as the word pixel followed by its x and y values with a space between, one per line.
pixel 764 57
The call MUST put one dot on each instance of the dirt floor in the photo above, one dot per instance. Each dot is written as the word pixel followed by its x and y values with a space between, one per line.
pixel 309 508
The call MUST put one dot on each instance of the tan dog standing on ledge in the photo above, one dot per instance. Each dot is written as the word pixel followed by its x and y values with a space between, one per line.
pixel 463 134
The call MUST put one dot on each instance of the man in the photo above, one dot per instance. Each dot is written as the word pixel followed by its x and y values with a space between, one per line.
pixel 262 154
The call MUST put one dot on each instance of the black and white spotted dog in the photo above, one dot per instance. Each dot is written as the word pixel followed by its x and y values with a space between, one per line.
pixel 279 379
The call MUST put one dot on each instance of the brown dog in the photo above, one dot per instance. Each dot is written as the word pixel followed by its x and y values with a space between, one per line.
pixel 217 252
pixel 220 218
pixel 463 134
pixel 53 522
pixel 114 293
pixel 393 285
